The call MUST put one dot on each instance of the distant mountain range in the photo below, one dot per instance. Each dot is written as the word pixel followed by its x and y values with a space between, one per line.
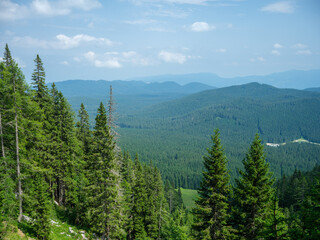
pixel 290 79
pixel 130 96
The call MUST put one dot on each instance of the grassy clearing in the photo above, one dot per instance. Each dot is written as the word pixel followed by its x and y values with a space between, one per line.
pixel 188 197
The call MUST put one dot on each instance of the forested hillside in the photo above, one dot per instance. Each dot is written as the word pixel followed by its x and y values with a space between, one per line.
pixel 174 134
pixel 53 169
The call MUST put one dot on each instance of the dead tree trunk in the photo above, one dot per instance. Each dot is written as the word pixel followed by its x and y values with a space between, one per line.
pixel 2 142
pixel 17 151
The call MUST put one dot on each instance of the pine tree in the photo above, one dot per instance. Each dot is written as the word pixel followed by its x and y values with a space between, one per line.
pixel 253 194
pixel 103 208
pixel 212 204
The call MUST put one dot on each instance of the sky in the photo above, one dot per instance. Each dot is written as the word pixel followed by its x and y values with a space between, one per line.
pixel 123 39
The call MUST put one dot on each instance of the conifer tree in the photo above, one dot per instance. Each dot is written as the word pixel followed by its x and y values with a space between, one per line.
pixel 15 102
pixel 83 130
pixel 38 82
pixel 140 199
pixel 277 227
pixel 155 204
pixel 253 194
pixel 40 214
pixel 126 171
pixel 103 209
pixel 212 204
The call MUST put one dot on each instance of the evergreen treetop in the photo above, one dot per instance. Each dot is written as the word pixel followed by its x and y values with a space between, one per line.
pixel 212 204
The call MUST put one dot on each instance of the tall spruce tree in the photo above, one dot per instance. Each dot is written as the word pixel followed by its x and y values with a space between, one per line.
pixel 140 199
pixel 212 203
pixel 127 177
pixel 39 83
pixel 253 194
pixel 41 211
pixel 83 130
pixel 103 209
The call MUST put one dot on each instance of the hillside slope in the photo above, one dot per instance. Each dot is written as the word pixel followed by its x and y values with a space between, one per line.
pixel 175 134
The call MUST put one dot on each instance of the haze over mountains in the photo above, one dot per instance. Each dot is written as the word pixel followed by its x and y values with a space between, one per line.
pixel 290 79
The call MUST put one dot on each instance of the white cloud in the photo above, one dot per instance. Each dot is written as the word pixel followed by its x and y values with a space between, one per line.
pixel 62 41
pixel 129 54
pixel 20 62
pixel 65 63
pixel 201 27
pixel 299 46
pixel 222 50
pixel 10 11
pixel 111 63
pixel 85 5
pixel 279 7
pixel 28 41
pixel 90 56
pixel 277 46
pixel 44 7
pixel 304 52
pixel 1 59
pixel 230 25
pixel 172 57
pixel 99 62
pixel 65 42
pixel 275 52
pixel 115 59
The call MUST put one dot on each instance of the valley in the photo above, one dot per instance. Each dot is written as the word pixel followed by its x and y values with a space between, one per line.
pixel 174 131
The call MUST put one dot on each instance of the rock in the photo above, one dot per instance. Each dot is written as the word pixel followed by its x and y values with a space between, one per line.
pixel 71 231
pixel 83 236
pixel 28 219
pixel 53 222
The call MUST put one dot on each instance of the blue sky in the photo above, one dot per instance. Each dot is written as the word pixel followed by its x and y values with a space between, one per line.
pixel 121 39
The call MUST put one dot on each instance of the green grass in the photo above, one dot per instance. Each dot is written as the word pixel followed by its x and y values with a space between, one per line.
pixel 59 231
pixel 188 197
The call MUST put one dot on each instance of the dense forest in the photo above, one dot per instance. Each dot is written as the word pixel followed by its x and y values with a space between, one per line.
pixel 170 125
pixel 55 167
pixel 175 134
